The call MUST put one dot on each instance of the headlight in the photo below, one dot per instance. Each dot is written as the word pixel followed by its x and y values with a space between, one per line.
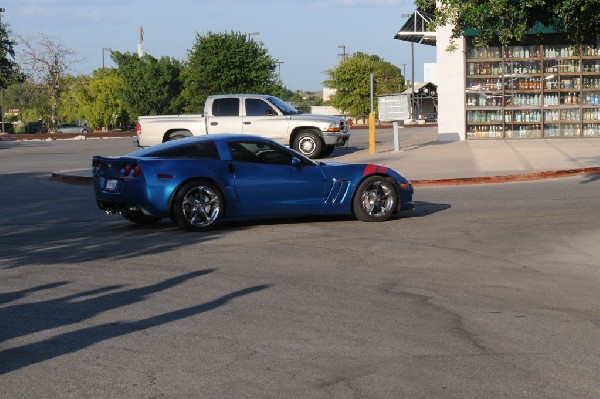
pixel 334 127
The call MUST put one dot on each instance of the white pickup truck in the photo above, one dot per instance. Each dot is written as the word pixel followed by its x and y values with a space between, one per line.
pixel 312 135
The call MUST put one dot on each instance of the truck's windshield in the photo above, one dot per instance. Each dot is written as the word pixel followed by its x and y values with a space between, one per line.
pixel 284 107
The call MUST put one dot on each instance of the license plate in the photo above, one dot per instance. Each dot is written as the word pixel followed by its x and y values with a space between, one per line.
pixel 111 185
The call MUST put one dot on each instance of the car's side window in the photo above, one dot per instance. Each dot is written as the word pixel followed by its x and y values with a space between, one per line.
pixel 259 152
pixel 226 107
pixel 258 107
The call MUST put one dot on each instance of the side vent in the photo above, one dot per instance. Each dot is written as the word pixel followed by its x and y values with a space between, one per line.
pixel 338 191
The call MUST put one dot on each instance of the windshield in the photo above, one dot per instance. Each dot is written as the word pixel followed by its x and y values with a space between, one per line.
pixel 284 107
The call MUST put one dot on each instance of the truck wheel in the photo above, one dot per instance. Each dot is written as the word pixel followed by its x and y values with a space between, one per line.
pixel 308 144
pixel 178 134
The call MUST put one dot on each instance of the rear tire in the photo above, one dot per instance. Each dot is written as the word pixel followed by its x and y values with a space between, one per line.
pixel 198 206
pixel 375 200
pixel 178 134
pixel 308 144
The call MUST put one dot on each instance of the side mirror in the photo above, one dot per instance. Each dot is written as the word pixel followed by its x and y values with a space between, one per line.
pixel 296 162
pixel 270 112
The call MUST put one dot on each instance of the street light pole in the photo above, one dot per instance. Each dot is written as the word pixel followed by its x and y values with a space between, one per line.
pixel 249 35
pixel 279 67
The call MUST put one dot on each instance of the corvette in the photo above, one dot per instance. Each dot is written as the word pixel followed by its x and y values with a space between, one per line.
pixel 201 180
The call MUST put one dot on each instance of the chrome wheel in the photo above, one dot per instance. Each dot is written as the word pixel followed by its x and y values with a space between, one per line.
pixel 198 206
pixel 376 199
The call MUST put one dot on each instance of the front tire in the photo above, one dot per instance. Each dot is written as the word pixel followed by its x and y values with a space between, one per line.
pixel 308 144
pixel 376 199
pixel 198 206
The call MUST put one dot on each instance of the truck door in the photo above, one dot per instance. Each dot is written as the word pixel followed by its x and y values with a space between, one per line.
pixel 262 119
pixel 225 116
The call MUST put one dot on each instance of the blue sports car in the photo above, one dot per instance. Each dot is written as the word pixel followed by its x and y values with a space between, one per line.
pixel 198 181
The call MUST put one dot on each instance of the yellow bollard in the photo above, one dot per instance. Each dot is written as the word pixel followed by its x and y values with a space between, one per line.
pixel 372 133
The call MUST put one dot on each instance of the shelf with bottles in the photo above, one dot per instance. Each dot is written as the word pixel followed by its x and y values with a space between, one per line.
pixel 522 100
pixel 480 100
pixel 562 130
pixel 485 68
pixel 591 83
pixel 591 130
pixel 560 51
pixel 591 114
pixel 489 53
pixel 523 116
pixel 591 66
pixel 562 115
pixel 485 131
pixel 523 131
pixel 521 52
pixel 484 85
pixel 529 68
pixel 523 83
pixel 590 98
pixel 485 116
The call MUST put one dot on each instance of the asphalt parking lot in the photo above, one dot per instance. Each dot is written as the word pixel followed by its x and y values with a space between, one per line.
pixel 483 292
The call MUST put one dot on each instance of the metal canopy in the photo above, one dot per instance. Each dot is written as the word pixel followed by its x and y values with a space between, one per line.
pixel 416 30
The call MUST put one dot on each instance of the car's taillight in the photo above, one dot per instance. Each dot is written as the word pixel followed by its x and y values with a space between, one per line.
pixel 127 170
pixel 97 167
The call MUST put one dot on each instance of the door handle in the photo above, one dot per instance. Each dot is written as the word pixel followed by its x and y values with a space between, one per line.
pixel 247 123
pixel 214 123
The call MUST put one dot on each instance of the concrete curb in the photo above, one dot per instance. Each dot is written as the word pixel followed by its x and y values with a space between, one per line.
pixel 75 177
pixel 71 177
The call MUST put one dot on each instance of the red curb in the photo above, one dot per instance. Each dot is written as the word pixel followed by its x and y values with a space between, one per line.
pixel 505 179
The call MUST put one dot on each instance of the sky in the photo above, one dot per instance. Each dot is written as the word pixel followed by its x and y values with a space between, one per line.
pixel 304 35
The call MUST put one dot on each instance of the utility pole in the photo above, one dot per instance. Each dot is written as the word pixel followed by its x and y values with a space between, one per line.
pixel 343 53
pixel 140 49
pixel 2 83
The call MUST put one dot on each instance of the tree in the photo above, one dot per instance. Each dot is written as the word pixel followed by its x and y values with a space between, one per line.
pixel 149 86
pixel 9 70
pixel 95 99
pixel 47 62
pixel 351 79
pixel 507 20
pixel 30 99
pixel 227 63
